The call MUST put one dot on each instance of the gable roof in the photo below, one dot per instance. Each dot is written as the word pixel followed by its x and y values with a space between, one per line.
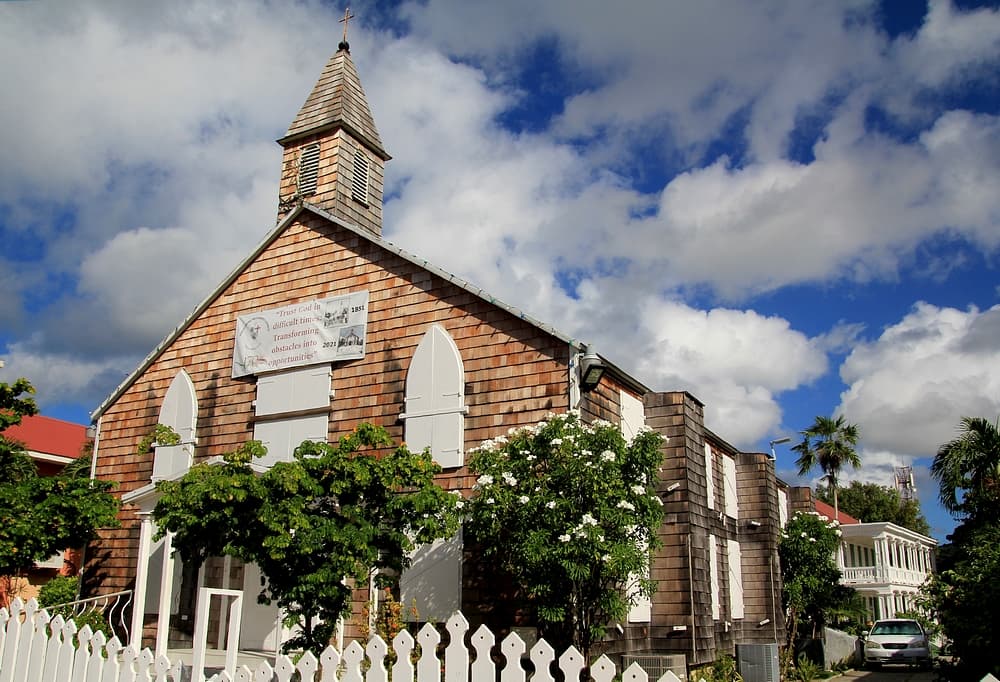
pixel 337 100
pixel 827 510
pixel 305 207
pixel 52 439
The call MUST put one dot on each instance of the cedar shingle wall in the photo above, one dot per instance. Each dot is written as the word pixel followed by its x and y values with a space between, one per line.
pixel 514 372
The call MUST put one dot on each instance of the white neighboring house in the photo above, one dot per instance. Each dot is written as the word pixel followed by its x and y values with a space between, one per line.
pixel 884 562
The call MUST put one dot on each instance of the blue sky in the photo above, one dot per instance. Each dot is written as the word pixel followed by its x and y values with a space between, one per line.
pixel 788 208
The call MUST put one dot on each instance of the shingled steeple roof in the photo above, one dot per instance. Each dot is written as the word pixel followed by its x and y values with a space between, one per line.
pixel 338 101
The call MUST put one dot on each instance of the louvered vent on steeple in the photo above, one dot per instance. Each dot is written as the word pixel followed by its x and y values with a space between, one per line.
pixel 308 169
pixel 359 183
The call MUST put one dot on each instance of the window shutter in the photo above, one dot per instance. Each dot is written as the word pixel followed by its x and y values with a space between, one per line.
pixel 297 389
pixel 735 580
pixel 434 580
pixel 633 418
pixel 633 415
pixel 782 508
pixel 709 477
pixel 729 480
pixel 435 399
pixel 713 570
pixel 282 436
pixel 304 388
pixel 179 411
pixel 308 169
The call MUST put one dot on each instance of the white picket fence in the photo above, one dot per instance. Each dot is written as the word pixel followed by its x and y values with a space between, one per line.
pixel 35 648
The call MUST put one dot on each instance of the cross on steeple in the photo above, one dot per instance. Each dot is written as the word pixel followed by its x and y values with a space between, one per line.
pixel 347 17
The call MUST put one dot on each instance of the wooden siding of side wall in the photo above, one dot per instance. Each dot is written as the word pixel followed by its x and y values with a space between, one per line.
pixel 758 494
pixel 680 418
pixel 514 372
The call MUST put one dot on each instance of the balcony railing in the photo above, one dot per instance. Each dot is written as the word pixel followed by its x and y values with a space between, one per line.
pixel 862 575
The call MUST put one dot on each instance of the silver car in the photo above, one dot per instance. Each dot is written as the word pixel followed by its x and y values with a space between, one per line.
pixel 897 640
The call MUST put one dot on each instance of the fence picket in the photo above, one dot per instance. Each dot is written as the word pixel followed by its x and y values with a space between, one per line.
pixel 307 667
pixel 151 667
pixel 35 648
pixel 635 673
pixel 542 655
pixel 483 668
pixel 603 670
pixel 329 661
pixel 377 651
pixel 669 676
pixel 67 650
pixel 95 667
pixel 513 648
pixel 353 656
pixel 456 656
pixel 429 665
pixel 403 644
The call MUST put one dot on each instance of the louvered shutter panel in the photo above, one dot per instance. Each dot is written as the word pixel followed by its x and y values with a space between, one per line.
pixel 308 169
pixel 179 411
pixel 735 561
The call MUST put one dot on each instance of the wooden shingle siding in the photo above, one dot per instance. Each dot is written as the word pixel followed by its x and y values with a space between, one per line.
pixel 515 373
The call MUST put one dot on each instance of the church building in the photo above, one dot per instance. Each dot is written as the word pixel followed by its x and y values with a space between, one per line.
pixel 325 325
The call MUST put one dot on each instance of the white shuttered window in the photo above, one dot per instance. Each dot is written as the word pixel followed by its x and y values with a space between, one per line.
pixel 633 418
pixel 281 397
pixel 179 411
pixel 709 476
pixel 435 418
pixel 713 576
pixel 729 480
pixel 735 561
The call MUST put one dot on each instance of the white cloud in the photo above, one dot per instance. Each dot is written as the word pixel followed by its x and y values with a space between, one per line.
pixel 909 388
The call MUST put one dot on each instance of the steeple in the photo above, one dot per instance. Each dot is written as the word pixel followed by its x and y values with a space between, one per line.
pixel 334 157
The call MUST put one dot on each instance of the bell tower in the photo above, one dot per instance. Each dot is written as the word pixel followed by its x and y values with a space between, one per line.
pixel 333 156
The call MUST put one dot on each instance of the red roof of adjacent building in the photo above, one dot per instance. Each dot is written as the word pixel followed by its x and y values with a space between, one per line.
pixel 827 511
pixel 49 436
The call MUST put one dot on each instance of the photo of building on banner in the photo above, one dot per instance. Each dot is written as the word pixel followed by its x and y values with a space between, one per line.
pixel 307 333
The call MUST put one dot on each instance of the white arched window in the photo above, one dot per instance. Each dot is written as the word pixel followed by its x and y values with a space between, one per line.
pixel 435 399
pixel 435 418
pixel 179 411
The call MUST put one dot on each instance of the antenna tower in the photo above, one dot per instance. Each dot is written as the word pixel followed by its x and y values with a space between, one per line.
pixel 904 482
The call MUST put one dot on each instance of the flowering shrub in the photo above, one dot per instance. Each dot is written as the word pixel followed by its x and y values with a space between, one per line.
pixel 809 570
pixel 570 511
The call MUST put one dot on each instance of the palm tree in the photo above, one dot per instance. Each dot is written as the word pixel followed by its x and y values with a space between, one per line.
pixel 968 469
pixel 830 444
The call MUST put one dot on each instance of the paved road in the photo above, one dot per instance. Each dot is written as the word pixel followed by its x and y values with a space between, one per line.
pixel 888 674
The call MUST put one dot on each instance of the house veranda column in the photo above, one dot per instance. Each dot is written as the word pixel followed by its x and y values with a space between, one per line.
pixel 141 577
pixel 166 592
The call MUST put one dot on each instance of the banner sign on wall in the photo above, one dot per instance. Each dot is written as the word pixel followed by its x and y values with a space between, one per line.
pixel 307 333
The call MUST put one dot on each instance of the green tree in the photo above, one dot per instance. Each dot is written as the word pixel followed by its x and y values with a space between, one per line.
pixel 43 515
pixel 871 502
pixel 964 595
pixel 811 595
pixel 968 470
pixel 570 511
pixel 336 511
pixel 828 443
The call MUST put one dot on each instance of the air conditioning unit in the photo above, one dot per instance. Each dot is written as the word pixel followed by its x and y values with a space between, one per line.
pixel 658 665
pixel 758 662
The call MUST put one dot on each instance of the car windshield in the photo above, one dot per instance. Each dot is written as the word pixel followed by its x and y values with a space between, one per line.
pixel 901 627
